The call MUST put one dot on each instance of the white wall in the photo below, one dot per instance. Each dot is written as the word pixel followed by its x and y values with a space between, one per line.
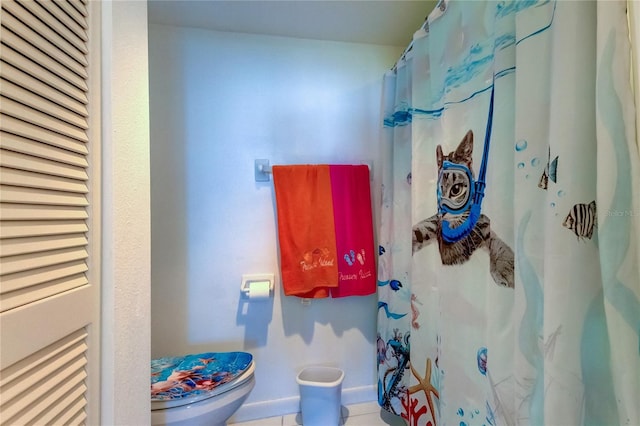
pixel 219 101
pixel 126 249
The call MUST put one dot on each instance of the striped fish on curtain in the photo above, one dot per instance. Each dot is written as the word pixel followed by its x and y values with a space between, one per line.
pixel 582 220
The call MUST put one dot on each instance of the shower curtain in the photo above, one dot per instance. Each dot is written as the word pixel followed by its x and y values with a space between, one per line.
pixel 508 276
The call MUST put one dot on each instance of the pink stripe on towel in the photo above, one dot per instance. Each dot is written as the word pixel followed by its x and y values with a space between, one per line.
pixel 353 221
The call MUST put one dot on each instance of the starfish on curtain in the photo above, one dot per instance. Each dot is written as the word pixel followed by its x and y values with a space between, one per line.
pixel 424 384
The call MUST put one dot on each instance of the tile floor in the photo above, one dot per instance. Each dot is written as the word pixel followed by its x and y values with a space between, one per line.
pixel 365 414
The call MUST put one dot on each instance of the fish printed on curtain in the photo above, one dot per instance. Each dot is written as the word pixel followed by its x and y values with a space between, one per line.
pixel 582 220
pixel 474 328
pixel 550 172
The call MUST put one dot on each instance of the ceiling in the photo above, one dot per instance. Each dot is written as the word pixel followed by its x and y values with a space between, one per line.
pixel 382 22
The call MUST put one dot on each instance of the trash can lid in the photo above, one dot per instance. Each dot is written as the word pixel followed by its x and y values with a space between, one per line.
pixel 190 375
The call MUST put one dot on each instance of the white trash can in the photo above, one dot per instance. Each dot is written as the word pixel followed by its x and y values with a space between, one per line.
pixel 320 395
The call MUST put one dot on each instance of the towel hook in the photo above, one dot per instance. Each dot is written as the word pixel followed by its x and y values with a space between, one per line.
pixel 262 169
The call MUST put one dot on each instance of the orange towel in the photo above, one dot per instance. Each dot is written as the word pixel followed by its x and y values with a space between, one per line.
pixel 306 231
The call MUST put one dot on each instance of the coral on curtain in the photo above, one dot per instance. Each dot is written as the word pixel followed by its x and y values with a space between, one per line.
pixel 509 286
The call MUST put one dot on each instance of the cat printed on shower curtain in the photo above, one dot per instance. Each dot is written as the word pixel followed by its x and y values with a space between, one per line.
pixel 454 187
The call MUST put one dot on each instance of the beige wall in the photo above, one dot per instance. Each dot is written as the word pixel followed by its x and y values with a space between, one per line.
pixel 126 215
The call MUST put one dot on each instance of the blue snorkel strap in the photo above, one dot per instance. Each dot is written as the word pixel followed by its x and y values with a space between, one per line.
pixel 480 182
pixel 452 235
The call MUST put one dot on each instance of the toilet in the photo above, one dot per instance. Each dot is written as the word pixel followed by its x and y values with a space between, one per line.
pixel 200 389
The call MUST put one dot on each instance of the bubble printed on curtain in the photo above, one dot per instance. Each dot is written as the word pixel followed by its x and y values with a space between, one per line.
pixel 489 222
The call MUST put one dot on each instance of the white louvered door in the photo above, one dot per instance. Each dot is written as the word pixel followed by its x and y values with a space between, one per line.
pixel 49 212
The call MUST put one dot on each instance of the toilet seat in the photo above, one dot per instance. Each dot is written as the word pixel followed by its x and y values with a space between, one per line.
pixel 178 381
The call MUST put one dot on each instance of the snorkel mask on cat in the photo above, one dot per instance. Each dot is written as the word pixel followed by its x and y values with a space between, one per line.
pixel 472 200
pixel 457 201
pixel 461 199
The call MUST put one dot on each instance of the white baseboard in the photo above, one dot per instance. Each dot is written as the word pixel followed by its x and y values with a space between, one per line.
pixel 283 406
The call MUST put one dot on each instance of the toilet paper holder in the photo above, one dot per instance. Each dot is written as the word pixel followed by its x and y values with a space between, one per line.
pixel 248 279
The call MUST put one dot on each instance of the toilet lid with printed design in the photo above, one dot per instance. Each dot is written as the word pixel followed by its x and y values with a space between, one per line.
pixel 195 376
